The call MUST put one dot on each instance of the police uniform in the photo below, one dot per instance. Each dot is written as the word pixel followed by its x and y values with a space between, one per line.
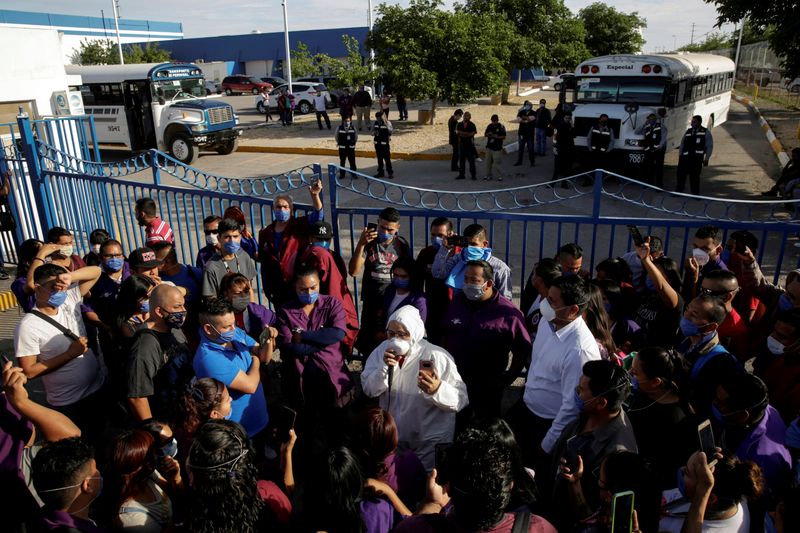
pixel 654 145
pixel 381 132
pixel 346 138
pixel 600 142
pixel 696 147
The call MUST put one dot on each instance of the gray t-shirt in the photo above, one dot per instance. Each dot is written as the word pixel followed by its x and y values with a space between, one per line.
pixel 216 268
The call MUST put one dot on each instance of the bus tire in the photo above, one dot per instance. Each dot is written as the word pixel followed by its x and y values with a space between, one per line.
pixel 228 147
pixel 183 149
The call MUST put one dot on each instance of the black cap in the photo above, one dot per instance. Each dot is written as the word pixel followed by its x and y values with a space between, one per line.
pixel 321 230
pixel 144 258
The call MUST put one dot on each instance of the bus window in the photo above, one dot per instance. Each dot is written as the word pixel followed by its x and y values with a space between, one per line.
pixel 597 90
pixel 179 89
pixel 641 91
pixel 102 94
pixel 684 93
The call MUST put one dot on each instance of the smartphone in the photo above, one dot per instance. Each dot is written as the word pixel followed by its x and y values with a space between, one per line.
pixel 440 462
pixel 741 246
pixel 285 422
pixel 638 240
pixel 426 367
pixel 622 512
pixel 571 453
pixel 372 226
pixel 706 435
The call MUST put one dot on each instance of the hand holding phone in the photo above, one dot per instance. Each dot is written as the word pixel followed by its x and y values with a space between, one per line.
pixel 636 236
pixel 622 512
pixel 286 420
pixel 426 367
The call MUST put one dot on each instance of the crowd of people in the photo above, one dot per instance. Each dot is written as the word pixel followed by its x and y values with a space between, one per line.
pixel 175 401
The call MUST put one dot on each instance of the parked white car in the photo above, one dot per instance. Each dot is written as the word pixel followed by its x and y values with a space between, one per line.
pixel 304 94
pixel 794 85
pixel 212 87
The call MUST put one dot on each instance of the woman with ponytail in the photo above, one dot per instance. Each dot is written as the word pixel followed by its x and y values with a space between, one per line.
pixel 658 413
pixel 203 400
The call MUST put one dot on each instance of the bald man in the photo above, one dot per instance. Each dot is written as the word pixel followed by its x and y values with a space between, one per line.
pixel 159 361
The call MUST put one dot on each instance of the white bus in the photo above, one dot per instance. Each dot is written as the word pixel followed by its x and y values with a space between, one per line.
pixel 629 87
pixel 156 105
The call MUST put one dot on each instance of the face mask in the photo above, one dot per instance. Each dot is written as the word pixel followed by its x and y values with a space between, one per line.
pixel 232 247
pixel 473 292
pixel 99 491
pixel 717 414
pixel 57 298
pixel 472 253
pixel 96 248
pixel 784 303
pixel 384 236
pixel 547 311
pixel 401 283
pixel 580 405
pixel 634 383
pixel 347 124
pixel 212 239
pixel 176 320
pixel 308 298
pixel 66 251
pixel 398 346
pixel 792 437
pixel 170 449
pixel 280 215
pixel 437 242
pixel 240 303
pixel 650 285
pixel 774 346
pixel 224 337
pixel 323 244
pixel 114 264
pixel 689 328
pixel 541 106
pixel 701 256
pixel 681 483
pixel 144 307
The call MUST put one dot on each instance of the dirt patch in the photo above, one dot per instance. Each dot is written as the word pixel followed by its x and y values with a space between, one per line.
pixel 409 136
pixel 785 123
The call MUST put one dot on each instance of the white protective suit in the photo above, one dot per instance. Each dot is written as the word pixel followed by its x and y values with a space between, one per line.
pixel 423 420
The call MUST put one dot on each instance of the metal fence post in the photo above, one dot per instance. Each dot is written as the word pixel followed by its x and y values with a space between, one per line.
pixel 154 166
pixel 34 167
pixel 598 194
pixel 333 192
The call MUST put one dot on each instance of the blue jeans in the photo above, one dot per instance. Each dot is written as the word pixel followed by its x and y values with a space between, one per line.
pixel 523 142
pixel 541 141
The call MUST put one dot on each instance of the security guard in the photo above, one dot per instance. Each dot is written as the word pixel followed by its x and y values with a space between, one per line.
pixel 381 132
pixel 346 138
pixel 695 151
pixel 654 145
pixel 600 142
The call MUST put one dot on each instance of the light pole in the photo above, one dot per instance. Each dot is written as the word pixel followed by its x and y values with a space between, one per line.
pixel 371 51
pixel 738 48
pixel 286 44
pixel 116 26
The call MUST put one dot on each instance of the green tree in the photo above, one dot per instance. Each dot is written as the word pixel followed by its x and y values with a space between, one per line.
pixel 304 63
pixel 151 53
pixel 429 53
pixel 105 52
pixel 714 41
pixel 609 31
pixel 350 71
pixel 782 17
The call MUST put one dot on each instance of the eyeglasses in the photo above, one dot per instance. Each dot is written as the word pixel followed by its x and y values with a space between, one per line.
pixel 710 292
pixel 391 334
pixel 211 231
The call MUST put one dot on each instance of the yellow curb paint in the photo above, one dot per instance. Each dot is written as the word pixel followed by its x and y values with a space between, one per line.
pixel 7 301
pixel 777 147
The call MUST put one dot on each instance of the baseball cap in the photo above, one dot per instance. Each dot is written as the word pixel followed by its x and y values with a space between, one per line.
pixel 321 230
pixel 144 258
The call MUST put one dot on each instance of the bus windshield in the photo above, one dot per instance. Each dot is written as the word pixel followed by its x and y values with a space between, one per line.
pixel 179 89
pixel 621 90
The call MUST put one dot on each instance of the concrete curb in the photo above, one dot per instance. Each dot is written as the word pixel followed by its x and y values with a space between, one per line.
pixel 774 142
pixel 7 300
pixel 335 152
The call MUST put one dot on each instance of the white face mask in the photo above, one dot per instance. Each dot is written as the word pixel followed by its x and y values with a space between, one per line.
pixel 701 256
pixel 774 346
pixel 66 251
pixel 212 239
pixel 547 311
pixel 96 248
pixel 398 346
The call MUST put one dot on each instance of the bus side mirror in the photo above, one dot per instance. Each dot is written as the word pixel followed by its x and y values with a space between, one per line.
pixel 161 100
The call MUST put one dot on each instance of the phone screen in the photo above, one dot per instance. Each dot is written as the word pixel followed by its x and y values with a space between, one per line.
pixel 622 512
pixel 372 226
pixel 285 422
pixel 707 445
pixel 638 240
pixel 571 453
pixel 426 367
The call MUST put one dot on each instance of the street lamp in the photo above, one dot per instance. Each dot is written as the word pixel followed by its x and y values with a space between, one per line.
pixel 288 71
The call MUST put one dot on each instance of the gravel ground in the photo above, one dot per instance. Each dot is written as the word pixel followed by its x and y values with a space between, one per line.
pixel 409 136
pixel 784 122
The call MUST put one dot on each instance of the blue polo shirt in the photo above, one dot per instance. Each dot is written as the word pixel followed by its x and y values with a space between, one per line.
pixel 213 360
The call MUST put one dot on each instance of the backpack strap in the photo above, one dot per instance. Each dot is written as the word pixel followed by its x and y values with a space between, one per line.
pixel 522 522
pixel 50 320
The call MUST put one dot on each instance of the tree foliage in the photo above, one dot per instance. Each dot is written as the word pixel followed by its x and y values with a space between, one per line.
pixel 609 31
pixel 350 71
pixel 781 16
pixel 304 63
pixel 105 52
pixel 548 35
pixel 429 53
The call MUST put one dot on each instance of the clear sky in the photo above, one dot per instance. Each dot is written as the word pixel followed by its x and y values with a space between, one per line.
pixel 669 22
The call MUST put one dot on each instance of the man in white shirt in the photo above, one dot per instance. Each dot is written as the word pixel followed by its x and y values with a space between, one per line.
pixel 73 376
pixel 563 344
pixel 321 106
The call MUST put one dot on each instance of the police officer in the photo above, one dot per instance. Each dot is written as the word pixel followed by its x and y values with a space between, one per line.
pixel 654 145
pixel 381 132
pixel 453 139
pixel 526 117
pixel 600 142
pixel 695 151
pixel 346 138
pixel 563 148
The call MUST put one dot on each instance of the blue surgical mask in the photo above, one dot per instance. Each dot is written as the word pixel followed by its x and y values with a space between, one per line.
pixel 634 383
pixel 717 414
pixel 308 298
pixel 384 236
pixel 170 449
pixel 472 291
pixel 437 242
pixel 401 283
pixel 114 264
pixel 232 246
pixel 689 328
pixel 57 298
pixel 280 215
pixel 225 337
pixel 784 303
pixel 323 244
pixel 473 253
pixel 144 307
pixel 580 405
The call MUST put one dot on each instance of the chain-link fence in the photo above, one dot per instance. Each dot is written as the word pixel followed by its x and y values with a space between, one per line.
pixel 759 74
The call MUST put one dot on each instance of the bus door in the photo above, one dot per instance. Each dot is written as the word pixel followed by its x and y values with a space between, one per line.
pixel 140 114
